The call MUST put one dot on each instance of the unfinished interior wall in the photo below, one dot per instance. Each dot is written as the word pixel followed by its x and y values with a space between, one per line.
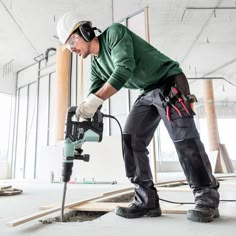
pixel 38 133
pixel 33 117
pixel 7 81
pixel 104 166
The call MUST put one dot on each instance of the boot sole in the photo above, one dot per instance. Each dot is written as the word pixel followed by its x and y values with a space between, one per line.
pixel 149 213
pixel 198 216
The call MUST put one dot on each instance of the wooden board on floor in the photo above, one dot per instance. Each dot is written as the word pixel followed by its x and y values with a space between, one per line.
pixel 171 183
pixel 167 208
pixel 40 214
pixel 174 189
pixel 99 206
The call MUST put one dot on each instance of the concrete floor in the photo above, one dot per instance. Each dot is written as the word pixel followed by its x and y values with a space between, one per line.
pixel 38 194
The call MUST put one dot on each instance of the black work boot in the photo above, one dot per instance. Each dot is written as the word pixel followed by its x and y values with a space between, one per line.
pixel 135 211
pixel 202 214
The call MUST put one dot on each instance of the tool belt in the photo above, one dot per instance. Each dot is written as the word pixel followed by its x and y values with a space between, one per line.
pixel 176 98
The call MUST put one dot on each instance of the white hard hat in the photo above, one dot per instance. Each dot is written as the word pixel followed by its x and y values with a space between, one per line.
pixel 66 25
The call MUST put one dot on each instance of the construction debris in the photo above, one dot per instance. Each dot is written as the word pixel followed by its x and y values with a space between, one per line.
pixel 9 191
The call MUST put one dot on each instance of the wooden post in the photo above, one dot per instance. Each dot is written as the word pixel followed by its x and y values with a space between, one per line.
pixel 223 162
pixel 62 90
pixel 213 134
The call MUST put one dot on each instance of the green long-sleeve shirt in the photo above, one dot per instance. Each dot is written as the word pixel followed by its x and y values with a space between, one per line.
pixel 126 60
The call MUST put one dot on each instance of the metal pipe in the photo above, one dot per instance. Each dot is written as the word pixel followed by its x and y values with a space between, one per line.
pixel 210 8
pixel 47 52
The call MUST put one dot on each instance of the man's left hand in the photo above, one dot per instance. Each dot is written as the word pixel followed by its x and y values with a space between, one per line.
pixel 88 108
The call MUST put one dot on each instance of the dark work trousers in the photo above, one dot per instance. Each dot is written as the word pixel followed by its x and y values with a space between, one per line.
pixel 139 129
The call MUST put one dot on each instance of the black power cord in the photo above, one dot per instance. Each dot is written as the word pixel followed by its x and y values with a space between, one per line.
pixel 121 132
pixel 175 202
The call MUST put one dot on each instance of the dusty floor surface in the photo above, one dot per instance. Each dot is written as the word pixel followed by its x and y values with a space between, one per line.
pixel 36 194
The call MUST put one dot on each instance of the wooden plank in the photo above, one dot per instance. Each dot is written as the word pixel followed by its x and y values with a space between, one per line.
pixel 3 187
pixel 226 158
pixel 174 189
pixel 10 191
pixel 99 206
pixel 171 183
pixel 36 215
pixel 40 214
pixel 228 183
pixel 104 196
pixel 110 206
pixel 225 176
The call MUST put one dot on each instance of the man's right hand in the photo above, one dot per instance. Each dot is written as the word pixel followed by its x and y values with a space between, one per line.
pixel 88 107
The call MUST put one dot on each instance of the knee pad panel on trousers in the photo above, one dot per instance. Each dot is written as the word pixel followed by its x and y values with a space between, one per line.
pixel 136 159
pixel 195 163
pixel 134 142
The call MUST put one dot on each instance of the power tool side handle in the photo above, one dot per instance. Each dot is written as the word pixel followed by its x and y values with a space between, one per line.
pixel 70 113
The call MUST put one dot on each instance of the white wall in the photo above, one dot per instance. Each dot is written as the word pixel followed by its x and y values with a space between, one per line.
pixel 4 169
pixel 7 83
pixel 106 162
pixel 27 76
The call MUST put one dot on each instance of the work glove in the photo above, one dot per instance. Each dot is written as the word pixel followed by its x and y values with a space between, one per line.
pixel 88 108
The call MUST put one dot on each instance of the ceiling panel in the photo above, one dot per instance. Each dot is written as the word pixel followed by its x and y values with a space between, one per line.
pixel 202 40
pixel 28 27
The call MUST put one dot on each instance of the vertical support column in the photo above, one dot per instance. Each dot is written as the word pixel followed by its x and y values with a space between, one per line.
pixel 213 133
pixel 223 162
pixel 62 90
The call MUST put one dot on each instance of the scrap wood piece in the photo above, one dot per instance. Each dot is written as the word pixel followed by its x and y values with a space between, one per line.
pixel 223 177
pixel 99 206
pixel 167 208
pixel 108 196
pixel 176 209
pixel 2 187
pixel 184 182
pixel 172 183
pixel 9 191
pixel 40 214
pixel 228 182
pixel 174 189
pixel 225 156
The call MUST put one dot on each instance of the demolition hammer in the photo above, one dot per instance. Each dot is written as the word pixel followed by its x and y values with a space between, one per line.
pixel 76 133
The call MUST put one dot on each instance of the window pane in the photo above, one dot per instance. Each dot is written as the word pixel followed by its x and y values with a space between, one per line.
pixel 21 133
pixel 5 104
pixel 52 118
pixel 42 130
pixel 31 132
pixel 119 107
pixel 137 24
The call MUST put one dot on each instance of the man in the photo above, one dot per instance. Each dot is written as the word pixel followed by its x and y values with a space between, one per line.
pixel 122 59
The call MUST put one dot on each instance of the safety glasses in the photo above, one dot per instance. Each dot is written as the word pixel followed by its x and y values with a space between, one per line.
pixel 71 42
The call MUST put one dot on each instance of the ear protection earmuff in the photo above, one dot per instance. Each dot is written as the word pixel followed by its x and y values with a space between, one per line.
pixel 86 30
